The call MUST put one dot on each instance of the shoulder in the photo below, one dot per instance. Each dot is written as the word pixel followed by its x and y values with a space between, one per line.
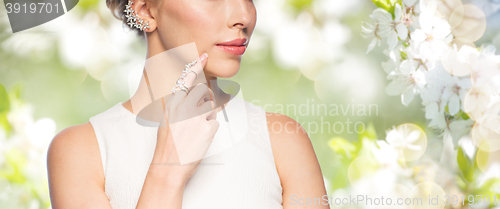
pixel 283 129
pixel 74 152
pixel 289 141
pixel 296 161
pixel 73 138
pixel 75 173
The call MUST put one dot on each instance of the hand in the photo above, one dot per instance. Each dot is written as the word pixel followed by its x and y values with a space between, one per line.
pixel 187 129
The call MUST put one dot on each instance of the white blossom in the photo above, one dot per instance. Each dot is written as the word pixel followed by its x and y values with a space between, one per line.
pixel 402 138
pixel 430 41
pixel 486 66
pixel 460 63
pixel 385 27
pixel 407 81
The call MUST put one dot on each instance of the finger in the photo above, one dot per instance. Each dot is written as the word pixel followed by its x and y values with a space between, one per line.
pixel 206 107
pixel 212 114
pixel 176 98
pixel 190 77
pixel 200 94
pixel 197 68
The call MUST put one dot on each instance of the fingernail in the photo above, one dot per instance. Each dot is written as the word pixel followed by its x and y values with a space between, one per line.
pixel 203 56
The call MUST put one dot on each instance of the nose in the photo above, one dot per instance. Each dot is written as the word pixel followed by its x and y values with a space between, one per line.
pixel 241 13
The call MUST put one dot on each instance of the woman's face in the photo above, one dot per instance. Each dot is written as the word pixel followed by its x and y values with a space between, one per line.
pixel 208 23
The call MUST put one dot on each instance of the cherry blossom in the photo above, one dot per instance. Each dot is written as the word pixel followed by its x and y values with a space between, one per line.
pixel 431 39
pixel 385 27
pixel 424 63
pixel 402 138
pixel 407 81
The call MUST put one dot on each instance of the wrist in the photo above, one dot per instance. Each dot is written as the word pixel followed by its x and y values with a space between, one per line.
pixel 164 174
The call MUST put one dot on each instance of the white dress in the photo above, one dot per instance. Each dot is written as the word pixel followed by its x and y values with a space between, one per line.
pixel 238 170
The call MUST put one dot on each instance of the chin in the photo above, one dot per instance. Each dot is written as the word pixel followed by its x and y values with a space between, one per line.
pixel 222 68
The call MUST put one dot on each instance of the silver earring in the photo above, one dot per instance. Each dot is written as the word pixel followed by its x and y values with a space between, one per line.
pixel 132 19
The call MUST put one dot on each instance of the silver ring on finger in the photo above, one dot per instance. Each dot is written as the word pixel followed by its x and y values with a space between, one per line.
pixel 184 88
pixel 191 64
pixel 180 86
pixel 174 90
pixel 192 71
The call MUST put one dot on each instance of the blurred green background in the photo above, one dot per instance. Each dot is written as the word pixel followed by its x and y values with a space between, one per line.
pixel 302 52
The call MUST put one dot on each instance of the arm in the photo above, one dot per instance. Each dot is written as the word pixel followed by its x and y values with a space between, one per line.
pixel 297 165
pixel 76 177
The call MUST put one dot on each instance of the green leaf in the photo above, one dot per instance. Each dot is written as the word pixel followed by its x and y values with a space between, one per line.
pixel 460 182
pixel 387 5
pixel 16 162
pixel 369 133
pixel 5 123
pixel 384 4
pixel 404 56
pixel 4 109
pixel 466 165
pixel 342 146
pixel 463 115
pixel 4 100
pixel 86 4
pixel 300 4
pixel 15 92
pixel 339 178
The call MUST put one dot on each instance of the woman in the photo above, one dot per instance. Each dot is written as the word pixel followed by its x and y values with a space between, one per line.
pixel 113 162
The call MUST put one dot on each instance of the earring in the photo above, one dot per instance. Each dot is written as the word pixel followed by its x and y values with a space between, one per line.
pixel 132 19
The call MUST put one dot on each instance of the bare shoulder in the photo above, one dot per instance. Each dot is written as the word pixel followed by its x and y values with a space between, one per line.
pixel 295 159
pixel 75 148
pixel 73 165
pixel 75 134
pixel 287 133
pixel 74 143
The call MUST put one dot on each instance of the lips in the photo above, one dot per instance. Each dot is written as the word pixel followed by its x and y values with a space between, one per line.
pixel 235 47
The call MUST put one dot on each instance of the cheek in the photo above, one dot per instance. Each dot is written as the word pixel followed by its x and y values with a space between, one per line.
pixel 188 23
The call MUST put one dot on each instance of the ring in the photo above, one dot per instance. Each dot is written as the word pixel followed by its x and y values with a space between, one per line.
pixel 184 88
pixel 192 71
pixel 191 64
pixel 179 84
pixel 173 91
pixel 178 87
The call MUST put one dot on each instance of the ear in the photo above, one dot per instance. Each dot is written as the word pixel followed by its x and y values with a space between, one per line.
pixel 142 9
